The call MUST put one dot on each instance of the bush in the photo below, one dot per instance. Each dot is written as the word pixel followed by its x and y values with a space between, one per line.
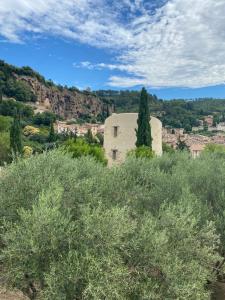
pixel 27 151
pixel 142 152
pixel 213 148
pixel 8 108
pixel 19 90
pixel 79 147
pixel 30 130
pixel 149 229
pixel 45 118
pixel 167 148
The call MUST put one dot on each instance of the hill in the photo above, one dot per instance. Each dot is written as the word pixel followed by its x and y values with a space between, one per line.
pixel 175 113
pixel 26 85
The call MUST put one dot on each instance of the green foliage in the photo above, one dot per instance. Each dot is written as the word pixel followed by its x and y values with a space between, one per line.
pixel 79 147
pixel 100 138
pixel 5 123
pixel 89 137
pixel 142 152
pixel 16 137
pixel 146 230
pixel 52 136
pixel 175 113
pixel 167 148
pixel 215 149
pixel 19 90
pixel 5 156
pixel 181 145
pixel 8 107
pixel 45 118
pixel 143 131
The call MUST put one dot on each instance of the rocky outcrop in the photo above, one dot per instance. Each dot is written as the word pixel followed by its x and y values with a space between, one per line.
pixel 67 103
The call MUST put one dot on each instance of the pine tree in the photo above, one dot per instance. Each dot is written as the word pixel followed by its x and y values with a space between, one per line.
pixel 16 137
pixel 52 135
pixel 143 131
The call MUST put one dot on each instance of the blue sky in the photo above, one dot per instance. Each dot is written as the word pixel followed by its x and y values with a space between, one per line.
pixel 173 47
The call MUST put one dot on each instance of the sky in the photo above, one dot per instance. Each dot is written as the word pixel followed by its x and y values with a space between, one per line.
pixel 175 48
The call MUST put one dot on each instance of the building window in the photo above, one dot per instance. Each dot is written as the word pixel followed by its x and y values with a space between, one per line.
pixel 114 154
pixel 115 131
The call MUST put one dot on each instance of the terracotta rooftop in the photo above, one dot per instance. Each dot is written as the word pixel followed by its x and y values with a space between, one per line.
pixel 197 147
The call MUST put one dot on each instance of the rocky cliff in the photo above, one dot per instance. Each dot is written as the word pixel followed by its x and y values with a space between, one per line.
pixel 67 103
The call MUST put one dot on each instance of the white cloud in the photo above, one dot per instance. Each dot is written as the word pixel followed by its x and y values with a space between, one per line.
pixel 180 44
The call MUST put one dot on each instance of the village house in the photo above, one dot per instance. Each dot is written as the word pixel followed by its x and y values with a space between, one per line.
pixel 209 120
pixel 196 149
pixel 78 129
pixel 120 136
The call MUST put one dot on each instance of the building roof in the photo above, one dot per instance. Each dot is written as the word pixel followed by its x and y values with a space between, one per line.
pixel 197 147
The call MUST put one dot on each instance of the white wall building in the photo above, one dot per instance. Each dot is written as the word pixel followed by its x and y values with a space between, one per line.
pixel 120 136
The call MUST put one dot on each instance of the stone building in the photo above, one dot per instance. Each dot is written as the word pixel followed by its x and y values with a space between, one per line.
pixel 196 149
pixel 120 136
pixel 79 130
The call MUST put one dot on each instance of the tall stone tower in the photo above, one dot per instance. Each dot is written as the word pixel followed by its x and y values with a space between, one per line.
pixel 120 136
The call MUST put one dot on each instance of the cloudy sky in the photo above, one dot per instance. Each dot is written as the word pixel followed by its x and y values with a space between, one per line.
pixel 176 48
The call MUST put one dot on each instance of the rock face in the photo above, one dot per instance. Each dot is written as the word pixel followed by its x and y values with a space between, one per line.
pixel 67 103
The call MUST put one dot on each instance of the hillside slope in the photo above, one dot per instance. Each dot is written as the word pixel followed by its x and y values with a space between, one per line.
pixel 24 84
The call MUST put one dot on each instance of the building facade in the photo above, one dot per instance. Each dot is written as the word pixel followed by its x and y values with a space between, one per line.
pixel 120 136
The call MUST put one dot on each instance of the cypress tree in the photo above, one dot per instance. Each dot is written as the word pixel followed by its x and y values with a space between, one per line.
pixel 143 132
pixel 52 135
pixel 16 137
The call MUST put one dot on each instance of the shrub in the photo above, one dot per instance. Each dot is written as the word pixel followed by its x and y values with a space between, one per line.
pixel 167 148
pixel 149 229
pixel 27 151
pixel 80 147
pixel 142 152
pixel 45 118
pixel 8 108
pixel 30 130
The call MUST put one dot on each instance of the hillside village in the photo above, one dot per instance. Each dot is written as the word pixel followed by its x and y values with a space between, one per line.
pixel 195 141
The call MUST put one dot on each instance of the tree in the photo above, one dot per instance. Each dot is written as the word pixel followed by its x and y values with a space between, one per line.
pixel 16 137
pixel 52 136
pixel 205 126
pixel 89 137
pixel 181 145
pixel 143 131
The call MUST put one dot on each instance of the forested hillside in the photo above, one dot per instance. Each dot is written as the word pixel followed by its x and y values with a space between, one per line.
pixel 175 113
pixel 26 85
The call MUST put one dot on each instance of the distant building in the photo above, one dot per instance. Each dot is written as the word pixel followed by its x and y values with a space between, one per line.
pixel 220 126
pixel 120 136
pixel 209 120
pixel 196 149
pixel 78 129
